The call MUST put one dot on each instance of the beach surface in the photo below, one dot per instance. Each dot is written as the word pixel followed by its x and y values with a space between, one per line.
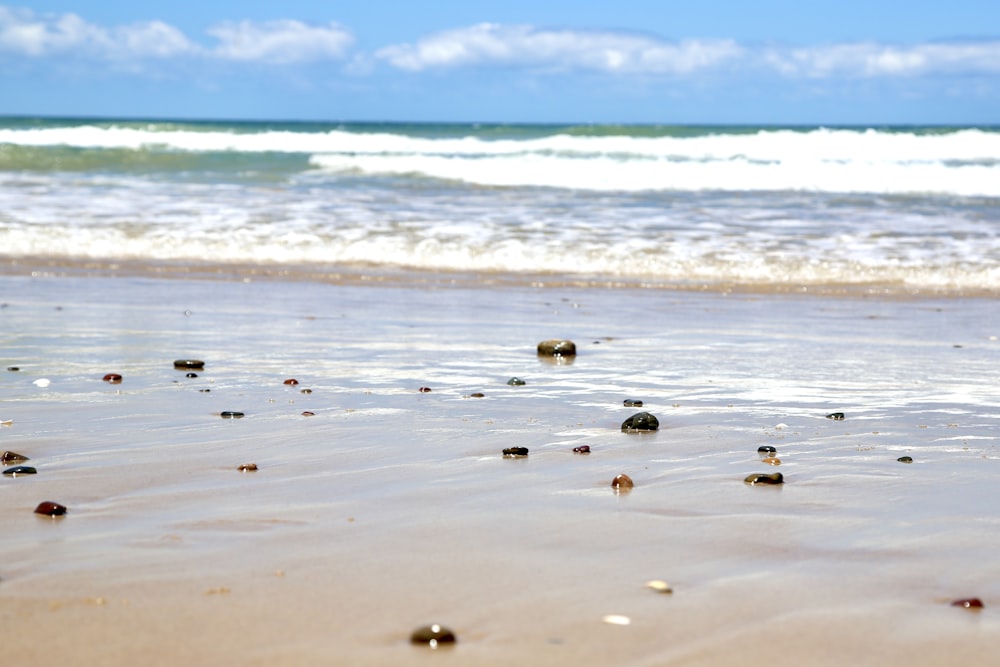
pixel 389 508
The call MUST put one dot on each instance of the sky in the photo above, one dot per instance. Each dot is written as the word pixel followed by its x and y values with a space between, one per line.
pixel 778 62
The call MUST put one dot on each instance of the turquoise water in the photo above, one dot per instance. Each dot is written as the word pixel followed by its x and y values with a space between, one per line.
pixel 902 208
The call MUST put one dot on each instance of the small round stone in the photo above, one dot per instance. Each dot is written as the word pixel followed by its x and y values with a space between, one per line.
pixel 19 470
pixel 838 416
pixel 516 382
pixel 515 452
pixel 248 467
pixel 291 381
pixel 968 603
pixel 766 450
pixel 772 461
pixel 308 413
pixel 622 481
pixel 641 421
pixel 905 459
pixel 113 378
pixel 191 375
pixel 231 414
pixel 305 391
pixel 424 390
pixel 13 457
pixel 195 364
pixel 582 449
pixel 557 348
pixel 632 403
pixel 764 478
pixel 433 635
pixel 50 508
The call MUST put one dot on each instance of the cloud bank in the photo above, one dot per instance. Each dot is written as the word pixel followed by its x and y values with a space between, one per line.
pixel 27 35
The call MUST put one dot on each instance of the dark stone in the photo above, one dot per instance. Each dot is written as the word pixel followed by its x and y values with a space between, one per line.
pixel 50 508
pixel 113 378
pixel 433 635
pixel 308 413
pixel 20 470
pixel 305 391
pixel 424 390
pixel 204 391
pixel 291 381
pixel 905 459
pixel 191 375
pixel 839 416
pixel 766 449
pixel 515 452
pixel 231 414
pixel 632 403
pixel 641 421
pixel 477 394
pixel 248 467
pixel 764 478
pixel 516 382
pixel 622 481
pixel 582 449
pixel 557 348
pixel 968 603
pixel 13 369
pixel 13 457
pixel 193 364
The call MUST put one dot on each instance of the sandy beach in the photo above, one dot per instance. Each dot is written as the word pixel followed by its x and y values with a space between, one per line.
pixel 388 508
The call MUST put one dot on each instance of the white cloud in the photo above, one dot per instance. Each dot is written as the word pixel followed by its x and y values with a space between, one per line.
pixel 280 42
pixel 869 59
pixel 528 46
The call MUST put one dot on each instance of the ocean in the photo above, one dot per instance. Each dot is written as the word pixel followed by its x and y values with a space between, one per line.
pixel 888 210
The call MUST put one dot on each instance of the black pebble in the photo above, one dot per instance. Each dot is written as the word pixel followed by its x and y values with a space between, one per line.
pixel 195 364
pixel 13 368
pixel 231 414
pixel 582 449
pixel 432 635
pixel 13 457
pixel 191 375
pixel 632 403
pixel 839 416
pixel 515 452
pixel 516 382
pixel 905 459
pixel 766 449
pixel 20 470
pixel 641 421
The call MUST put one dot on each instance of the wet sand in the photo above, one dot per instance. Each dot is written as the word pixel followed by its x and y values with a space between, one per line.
pixel 390 508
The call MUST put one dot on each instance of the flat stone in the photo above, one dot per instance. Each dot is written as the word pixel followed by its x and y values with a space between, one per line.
pixel 968 603
pixel 766 449
pixel 248 467
pixel 50 508
pixel 765 478
pixel 641 421
pixel 582 449
pixel 557 348
pixel 113 378
pixel 291 381
pixel 905 459
pixel 13 457
pixel 19 470
pixel 516 382
pixel 838 416
pixel 515 452
pixel 193 364
pixel 231 414
pixel 632 403
pixel 433 636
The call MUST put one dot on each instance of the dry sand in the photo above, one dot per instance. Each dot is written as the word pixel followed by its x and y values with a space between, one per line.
pixel 389 508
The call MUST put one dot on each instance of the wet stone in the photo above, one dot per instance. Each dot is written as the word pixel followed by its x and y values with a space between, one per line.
pixel 515 452
pixel 433 635
pixel 838 416
pixel 477 394
pixel 772 461
pixel 766 450
pixel 516 382
pixel 19 470
pixel 193 364
pixel 582 449
pixel 905 459
pixel 248 467
pixel 632 403
pixel 557 348
pixel 968 603
pixel 622 481
pixel 641 421
pixel 191 375
pixel 49 508
pixel 308 413
pixel 204 391
pixel 12 457
pixel 764 478
pixel 13 369
pixel 231 414
pixel 424 390
pixel 305 391
pixel 113 378
pixel 291 381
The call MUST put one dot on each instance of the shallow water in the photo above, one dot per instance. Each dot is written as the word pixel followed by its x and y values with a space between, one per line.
pixel 389 508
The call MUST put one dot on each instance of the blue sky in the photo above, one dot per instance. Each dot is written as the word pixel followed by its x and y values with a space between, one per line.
pixel 632 61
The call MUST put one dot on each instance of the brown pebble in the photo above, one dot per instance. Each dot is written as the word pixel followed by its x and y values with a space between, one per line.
pixel 186 364
pixel 50 508
pixel 291 381
pixel 424 390
pixel 772 461
pixel 557 348
pixel 433 635
pixel 582 449
pixel 13 457
pixel 968 603
pixel 113 378
pixel 622 481
pixel 308 413
pixel 515 452
pixel 477 394
pixel 248 467
pixel 764 478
